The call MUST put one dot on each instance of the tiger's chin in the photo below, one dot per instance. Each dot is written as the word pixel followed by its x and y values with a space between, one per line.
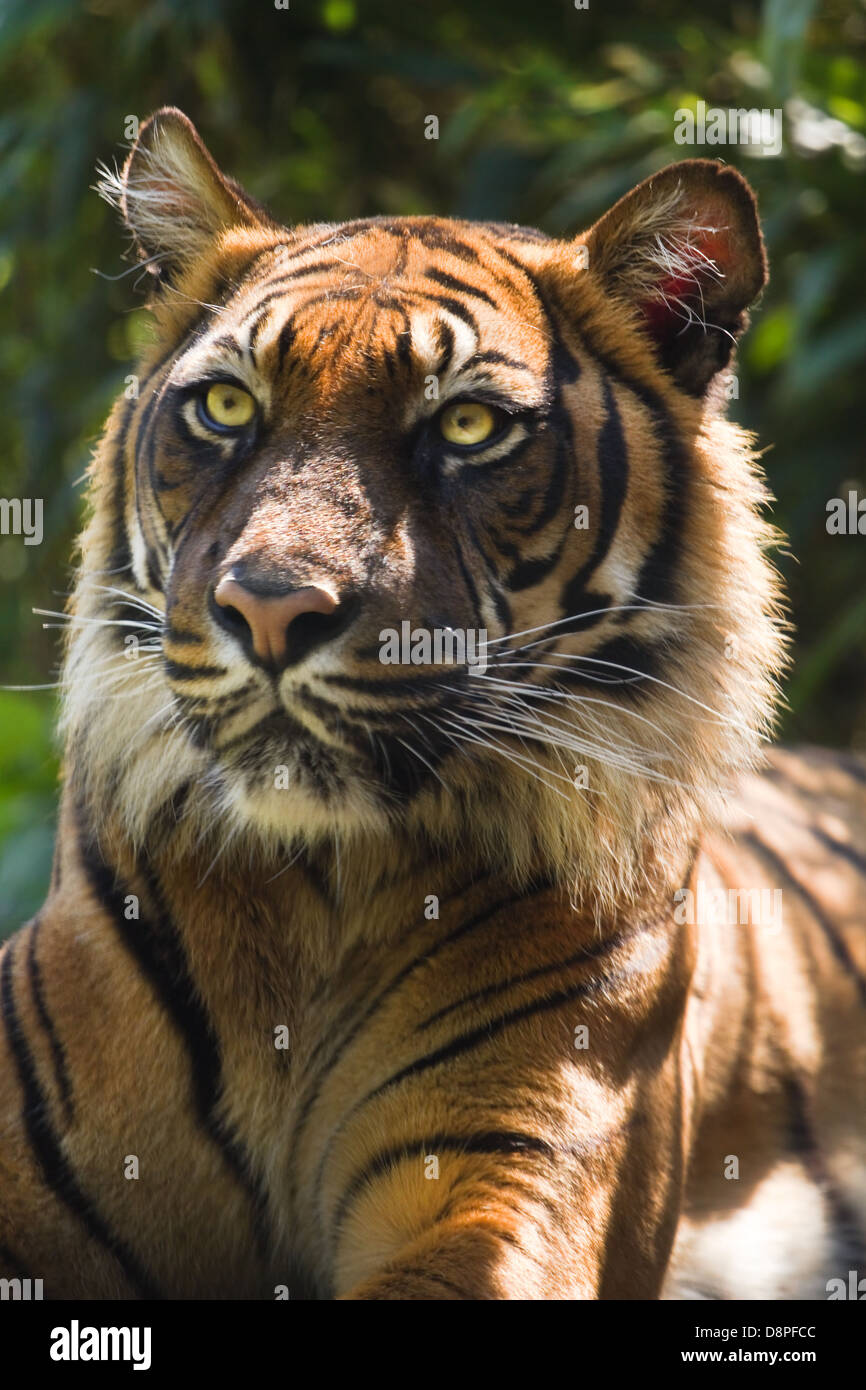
pixel 284 784
pixel 299 799
pixel 303 809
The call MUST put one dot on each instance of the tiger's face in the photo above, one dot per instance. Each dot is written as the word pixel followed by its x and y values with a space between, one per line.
pixel 410 498
pixel 330 457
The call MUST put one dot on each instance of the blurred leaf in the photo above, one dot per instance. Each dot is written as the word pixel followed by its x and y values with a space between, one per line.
pixel 771 339
pixel 832 354
pixel 785 24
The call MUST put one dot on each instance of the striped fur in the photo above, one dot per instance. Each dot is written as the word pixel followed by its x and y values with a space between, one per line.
pixel 464 871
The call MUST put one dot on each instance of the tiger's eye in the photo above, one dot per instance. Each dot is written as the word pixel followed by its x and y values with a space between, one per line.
pixel 467 423
pixel 229 406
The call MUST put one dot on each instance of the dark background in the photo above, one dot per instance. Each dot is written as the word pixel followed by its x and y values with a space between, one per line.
pixel 547 114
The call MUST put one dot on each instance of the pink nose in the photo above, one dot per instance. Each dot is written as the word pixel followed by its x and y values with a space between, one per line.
pixel 269 616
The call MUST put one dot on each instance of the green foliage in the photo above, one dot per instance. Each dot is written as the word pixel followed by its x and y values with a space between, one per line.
pixel 547 114
pixel 27 804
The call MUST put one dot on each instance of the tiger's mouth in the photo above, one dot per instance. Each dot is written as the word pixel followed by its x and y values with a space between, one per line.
pixel 381 760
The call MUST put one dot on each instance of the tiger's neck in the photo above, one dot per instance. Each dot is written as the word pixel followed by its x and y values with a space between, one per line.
pixel 246 916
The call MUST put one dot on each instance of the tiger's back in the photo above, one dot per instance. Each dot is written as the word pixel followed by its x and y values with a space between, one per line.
pixel 778 1023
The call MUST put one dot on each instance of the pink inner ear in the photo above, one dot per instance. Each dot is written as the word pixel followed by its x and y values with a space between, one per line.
pixel 663 311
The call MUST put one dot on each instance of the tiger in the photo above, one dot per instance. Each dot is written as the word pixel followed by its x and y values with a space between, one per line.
pixel 366 975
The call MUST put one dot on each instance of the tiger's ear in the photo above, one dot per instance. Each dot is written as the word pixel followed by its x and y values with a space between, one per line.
pixel 173 197
pixel 685 249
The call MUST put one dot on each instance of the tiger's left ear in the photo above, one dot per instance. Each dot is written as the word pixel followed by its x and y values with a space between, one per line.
pixel 685 249
pixel 173 196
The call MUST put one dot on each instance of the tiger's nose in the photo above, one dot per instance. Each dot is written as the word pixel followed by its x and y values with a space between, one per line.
pixel 278 629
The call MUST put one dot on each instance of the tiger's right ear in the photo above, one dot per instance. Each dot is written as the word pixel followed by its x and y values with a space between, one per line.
pixel 684 249
pixel 173 197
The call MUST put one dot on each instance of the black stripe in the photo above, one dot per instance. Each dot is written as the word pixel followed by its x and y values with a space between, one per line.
pixel 854 856
pixel 229 342
pixel 272 290
pixel 119 557
pixel 452 282
pixel 495 358
pixel 397 686
pixel 494 1142
pixel 853 766
pixel 613 473
pixel 587 953
pixel 502 608
pixel 468 580
pixel 180 672
pixel 155 946
pixel 531 572
pixel 332 237
pixel 637 662
pixel 445 338
pixel 451 305
pixel 404 338
pixel 286 341
pixel 145 439
pixel 56 1172
pixel 563 369
pixel 357 1023
pixel 836 942
pixel 657 578
pixel 182 637
pixel 517 263
pixel 13 1266
pixel 457 934
pixel 467 1042
pixel 439 236
pixel 803 1141
pixel 163 484
pixel 61 1073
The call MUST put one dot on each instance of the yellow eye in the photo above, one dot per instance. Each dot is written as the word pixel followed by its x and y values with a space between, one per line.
pixel 468 423
pixel 229 406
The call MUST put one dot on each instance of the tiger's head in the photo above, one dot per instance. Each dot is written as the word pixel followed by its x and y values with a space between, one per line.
pixel 419 526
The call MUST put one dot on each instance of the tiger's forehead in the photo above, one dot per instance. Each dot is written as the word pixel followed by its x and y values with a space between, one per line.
pixel 406 301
